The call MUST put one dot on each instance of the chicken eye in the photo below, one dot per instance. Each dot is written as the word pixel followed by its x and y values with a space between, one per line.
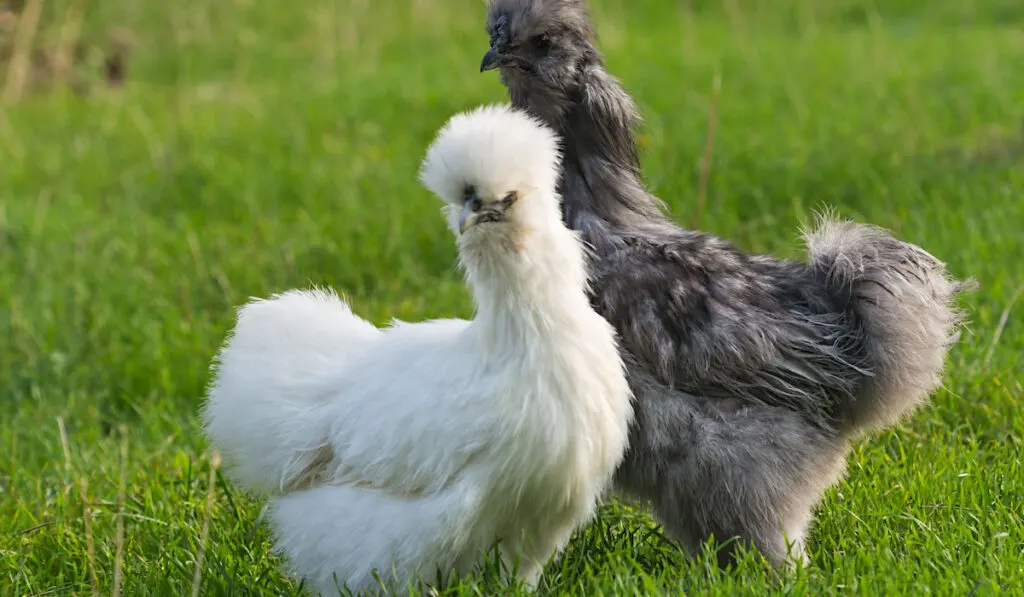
pixel 542 41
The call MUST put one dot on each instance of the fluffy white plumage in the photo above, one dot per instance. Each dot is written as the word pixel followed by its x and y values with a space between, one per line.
pixel 410 450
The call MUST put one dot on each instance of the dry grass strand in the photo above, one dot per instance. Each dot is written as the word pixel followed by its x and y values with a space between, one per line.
pixel 197 578
pixel 119 539
pixel 21 54
pixel 90 544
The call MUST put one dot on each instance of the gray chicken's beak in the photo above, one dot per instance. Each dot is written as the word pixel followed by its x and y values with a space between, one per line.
pixel 467 217
pixel 491 60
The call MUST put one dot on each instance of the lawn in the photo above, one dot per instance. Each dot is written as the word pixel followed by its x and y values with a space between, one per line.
pixel 256 147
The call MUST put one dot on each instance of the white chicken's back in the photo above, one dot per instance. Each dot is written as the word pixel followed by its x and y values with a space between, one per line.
pixel 275 369
pixel 409 413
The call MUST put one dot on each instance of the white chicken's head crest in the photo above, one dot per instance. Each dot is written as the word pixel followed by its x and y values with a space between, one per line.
pixel 484 160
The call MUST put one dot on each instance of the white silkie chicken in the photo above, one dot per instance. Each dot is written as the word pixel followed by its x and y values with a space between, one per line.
pixel 409 451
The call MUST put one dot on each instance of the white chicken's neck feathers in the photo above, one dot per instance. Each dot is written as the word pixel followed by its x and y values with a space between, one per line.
pixel 529 284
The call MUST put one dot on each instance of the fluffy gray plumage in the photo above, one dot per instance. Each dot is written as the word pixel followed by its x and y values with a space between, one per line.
pixel 752 374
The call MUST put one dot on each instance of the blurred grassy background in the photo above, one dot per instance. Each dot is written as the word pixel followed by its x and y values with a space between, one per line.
pixel 252 147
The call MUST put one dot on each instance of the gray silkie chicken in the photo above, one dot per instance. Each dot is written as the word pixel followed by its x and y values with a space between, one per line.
pixel 752 374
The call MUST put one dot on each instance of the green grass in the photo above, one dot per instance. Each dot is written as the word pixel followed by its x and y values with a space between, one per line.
pixel 259 147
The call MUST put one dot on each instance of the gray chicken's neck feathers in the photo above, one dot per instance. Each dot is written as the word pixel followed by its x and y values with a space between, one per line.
pixel 601 185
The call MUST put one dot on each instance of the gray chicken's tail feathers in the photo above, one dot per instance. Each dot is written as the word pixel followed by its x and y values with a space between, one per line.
pixel 906 303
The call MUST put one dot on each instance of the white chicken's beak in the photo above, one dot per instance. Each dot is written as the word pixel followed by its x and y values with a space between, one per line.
pixel 467 217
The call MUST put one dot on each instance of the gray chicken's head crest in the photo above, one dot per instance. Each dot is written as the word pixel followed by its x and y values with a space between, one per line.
pixel 540 46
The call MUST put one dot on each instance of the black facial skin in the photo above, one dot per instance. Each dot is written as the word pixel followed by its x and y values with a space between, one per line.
pixel 494 211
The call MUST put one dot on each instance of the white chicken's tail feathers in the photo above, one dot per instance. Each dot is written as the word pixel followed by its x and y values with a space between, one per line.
pixel 333 536
pixel 271 378
pixel 906 303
